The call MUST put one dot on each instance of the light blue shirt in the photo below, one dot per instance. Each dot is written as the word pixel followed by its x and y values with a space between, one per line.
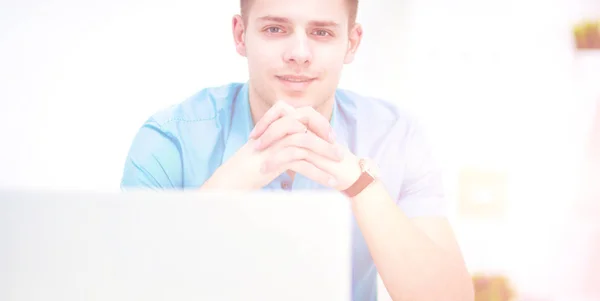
pixel 180 148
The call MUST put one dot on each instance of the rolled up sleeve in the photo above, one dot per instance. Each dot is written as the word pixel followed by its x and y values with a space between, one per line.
pixel 422 191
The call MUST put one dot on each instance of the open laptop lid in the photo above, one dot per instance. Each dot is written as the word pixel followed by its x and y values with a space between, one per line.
pixel 174 246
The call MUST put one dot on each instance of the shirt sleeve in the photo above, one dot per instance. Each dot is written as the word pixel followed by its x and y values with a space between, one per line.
pixel 154 160
pixel 422 191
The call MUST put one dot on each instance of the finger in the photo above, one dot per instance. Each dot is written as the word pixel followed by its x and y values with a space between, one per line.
pixel 287 158
pixel 314 144
pixel 278 161
pixel 316 123
pixel 279 129
pixel 277 111
pixel 312 172
pixel 290 153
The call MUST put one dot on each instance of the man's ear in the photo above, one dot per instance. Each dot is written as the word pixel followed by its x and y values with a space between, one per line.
pixel 354 39
pixel 239 33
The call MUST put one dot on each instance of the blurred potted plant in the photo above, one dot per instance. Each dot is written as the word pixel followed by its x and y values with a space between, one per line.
pixel 492 288
pixel 587 35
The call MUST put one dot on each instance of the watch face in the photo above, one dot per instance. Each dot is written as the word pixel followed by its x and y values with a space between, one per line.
pixel 371 168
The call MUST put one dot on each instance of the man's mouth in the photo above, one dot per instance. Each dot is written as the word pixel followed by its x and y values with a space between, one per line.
pixel 296 78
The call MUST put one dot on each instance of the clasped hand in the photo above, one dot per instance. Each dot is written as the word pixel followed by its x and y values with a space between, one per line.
pixel 292 140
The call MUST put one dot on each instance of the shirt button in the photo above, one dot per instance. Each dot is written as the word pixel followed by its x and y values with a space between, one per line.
pixel 285 185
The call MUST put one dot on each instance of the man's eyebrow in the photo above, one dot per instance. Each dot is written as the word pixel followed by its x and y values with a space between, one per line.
pixel 315 23
pixel 324 24
pixel 274 19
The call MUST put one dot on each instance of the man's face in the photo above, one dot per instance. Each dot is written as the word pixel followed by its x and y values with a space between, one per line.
pixel 296 49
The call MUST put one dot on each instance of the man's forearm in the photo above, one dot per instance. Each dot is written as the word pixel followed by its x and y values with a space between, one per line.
pixel 410 264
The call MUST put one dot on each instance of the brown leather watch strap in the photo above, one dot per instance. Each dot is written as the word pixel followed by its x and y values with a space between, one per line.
pixel 365 179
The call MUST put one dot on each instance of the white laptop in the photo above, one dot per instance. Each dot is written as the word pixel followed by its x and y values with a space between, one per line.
pixel 174 246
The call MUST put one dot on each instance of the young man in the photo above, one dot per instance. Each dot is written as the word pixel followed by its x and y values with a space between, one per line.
pixel 290 128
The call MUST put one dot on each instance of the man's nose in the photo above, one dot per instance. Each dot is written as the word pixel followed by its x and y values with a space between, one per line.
pixel 299 51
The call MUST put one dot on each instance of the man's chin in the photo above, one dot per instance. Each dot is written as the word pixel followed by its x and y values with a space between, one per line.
pixel 297 100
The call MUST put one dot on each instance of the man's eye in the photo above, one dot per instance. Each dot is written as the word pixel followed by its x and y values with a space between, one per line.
pixel 322 33
pixel 274 30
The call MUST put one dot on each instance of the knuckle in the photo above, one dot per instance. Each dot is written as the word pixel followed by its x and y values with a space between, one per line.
pixel 293 139
pixel 292 125
pixel 309 111
pixel 282 106
pixel 276 109
pixel 298 126
pixel 288 120
pixel 301 140
pixel 277 124
pixel 299 153
pixel 279 104
pixel 307 139
pixel 267 137
pixel 334 153
pixel 299 166
pixel 301 114
pixel 268 131
pixel 280 111
pixel 305 109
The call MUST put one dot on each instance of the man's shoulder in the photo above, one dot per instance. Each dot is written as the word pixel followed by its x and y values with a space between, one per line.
pixel 203 106
pixel 376 111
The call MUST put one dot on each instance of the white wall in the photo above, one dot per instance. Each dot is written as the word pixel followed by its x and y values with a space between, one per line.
pixel 494 81
pixel 84 76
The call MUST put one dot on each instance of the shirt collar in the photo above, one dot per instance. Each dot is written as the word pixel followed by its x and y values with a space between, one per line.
pixel 242 124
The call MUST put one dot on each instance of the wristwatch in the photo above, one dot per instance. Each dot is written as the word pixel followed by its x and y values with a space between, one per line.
pixel 368 175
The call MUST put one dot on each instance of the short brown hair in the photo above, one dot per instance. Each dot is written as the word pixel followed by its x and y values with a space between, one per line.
pixel 352 4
